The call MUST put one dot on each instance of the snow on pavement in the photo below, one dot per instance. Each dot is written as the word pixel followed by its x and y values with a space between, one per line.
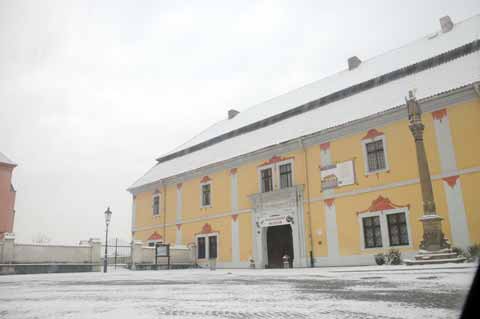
pixel 353 292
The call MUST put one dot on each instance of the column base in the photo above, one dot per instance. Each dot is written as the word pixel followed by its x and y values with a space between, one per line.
pixel 442 256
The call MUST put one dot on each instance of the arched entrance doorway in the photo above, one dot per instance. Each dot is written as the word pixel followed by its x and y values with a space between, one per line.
pixel 279 243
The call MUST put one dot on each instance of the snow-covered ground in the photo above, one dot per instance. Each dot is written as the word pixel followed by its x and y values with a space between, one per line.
pixel 353 292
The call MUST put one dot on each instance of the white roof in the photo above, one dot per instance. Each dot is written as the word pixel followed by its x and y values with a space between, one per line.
pixel 5 160
pixel 427 83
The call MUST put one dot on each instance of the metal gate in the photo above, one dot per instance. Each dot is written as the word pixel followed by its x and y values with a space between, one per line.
pixel 119 253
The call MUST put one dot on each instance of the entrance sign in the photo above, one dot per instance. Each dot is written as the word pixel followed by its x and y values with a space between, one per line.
pixel 275 220
pixel 337 175
pixel 162 250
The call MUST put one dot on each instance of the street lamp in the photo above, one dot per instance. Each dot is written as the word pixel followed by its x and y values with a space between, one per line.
pixel 108 216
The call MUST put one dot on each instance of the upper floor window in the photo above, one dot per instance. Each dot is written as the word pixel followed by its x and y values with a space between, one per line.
pixel 375 156
pixel 285 175
pixel 156 205
pixel 206 194
pixel 267 180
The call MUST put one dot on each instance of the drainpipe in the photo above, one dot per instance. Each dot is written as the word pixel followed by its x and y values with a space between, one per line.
pixel 308 201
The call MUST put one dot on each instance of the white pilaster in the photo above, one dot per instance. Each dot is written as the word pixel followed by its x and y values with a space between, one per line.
pixel 133 213
pixel 451 185
pixel 330 210
pixel 178 237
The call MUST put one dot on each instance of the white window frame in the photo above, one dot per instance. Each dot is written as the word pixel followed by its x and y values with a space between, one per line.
pixel 201 194
pixel 275 174
pixel 365 154
pixel 157 195
pixel 289 161
pixel 384 228
pixel 259 174
pixel 207 244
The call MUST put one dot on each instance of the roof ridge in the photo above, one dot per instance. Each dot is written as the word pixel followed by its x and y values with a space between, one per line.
pixel 414 68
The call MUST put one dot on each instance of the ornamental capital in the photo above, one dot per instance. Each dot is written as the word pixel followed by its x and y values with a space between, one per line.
pixel 417 131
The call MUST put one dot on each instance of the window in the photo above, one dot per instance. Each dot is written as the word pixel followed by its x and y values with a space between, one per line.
pixel 206 195
pixel 385 229
pixel 375 156
pixel 200 247
pixel 212 247
pixel 156 205
pixel 267 182
pixel 397 229
pixel 207 246
pixel 285 175
pixel 372 232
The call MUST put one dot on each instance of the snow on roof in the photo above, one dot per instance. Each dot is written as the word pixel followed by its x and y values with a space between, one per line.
pixel 5 160
pixel 427 83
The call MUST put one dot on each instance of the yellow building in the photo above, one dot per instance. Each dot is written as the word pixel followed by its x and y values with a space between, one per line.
pixel 327 173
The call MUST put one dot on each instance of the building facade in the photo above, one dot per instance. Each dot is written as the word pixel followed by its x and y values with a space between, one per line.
pixel 7 195
pixel 327 174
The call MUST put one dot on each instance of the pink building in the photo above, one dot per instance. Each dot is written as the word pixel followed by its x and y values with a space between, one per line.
pixel 7 195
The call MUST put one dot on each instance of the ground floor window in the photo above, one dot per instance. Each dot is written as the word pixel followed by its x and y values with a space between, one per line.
pixel 201 247
pixel 385 229
pixel 212 246
pixel 372 232
pixel 154 243
pixel 207 247
pixel 397 229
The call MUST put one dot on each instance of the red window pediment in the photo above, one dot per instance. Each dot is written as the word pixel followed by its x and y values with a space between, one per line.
pixel 382 203
pixel 155 236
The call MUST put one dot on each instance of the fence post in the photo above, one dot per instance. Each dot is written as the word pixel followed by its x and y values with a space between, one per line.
pixel 137 253
pixel 8 251
pixel 116 244
pixel 95 253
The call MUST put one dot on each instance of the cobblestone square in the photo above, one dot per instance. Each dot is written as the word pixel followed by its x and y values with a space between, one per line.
pixel 354 292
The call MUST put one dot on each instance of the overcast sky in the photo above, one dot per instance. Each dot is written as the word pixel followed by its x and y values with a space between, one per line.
pixel 91 92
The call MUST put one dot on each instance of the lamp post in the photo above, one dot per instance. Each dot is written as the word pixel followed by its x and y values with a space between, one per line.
pixel 108 216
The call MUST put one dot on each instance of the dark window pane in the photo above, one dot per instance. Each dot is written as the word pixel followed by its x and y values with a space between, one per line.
pixel 201 247
pixel 372 232
pixel 267 183
pixel 375 156
pixel 397 229
pixel 156 205
pixel 206 195
pixel 212 247
pixel 285 175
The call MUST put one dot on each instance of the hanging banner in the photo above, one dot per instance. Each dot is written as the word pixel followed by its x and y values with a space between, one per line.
pixel 337 175
pixel 275 220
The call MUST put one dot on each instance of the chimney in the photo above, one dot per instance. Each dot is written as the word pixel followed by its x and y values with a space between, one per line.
pixel 353 62
pixel 446 24
pixel 232 113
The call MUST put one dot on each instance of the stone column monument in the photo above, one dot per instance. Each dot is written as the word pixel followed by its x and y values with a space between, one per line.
pixel 434 247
